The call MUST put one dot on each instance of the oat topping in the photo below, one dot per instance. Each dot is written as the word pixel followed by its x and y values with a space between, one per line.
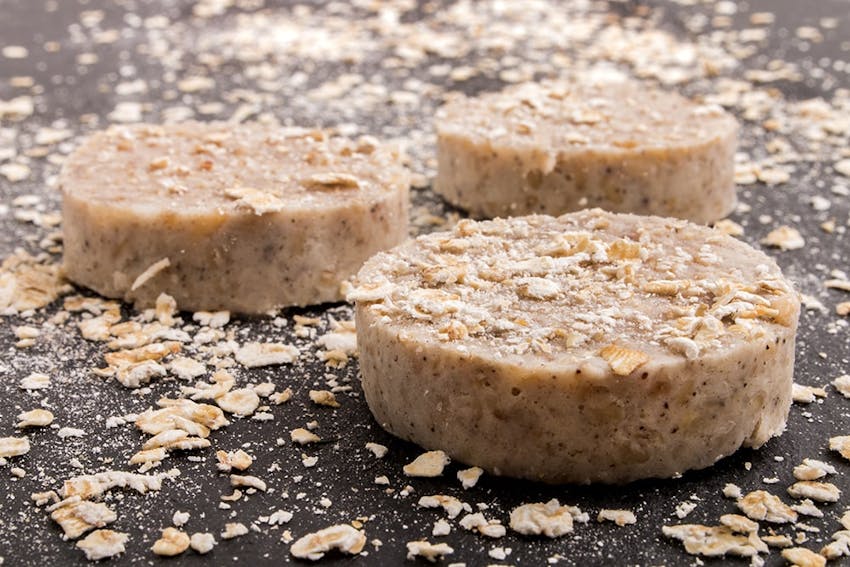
pixel 467 284
pixel 342 537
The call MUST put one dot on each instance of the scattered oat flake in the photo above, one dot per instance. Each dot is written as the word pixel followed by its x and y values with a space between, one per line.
pixel 15 172
pixel 35 418
pixel 469 477
pixel 841 444
pixel 478 523
pixel 685 508
pixel 818 491
pixel 302 436
pixel 842 384
pixel 172 542
pixel 710 541
pixel 195 84
pixel 619 517
pixel 429 464
pixel 252 355
pixel 802 557
pixel 241 402
pixel 14 446
pixel 233 530
pixel 549 519
pixel 812 469
pixel 76 518
pixel 247 480
pixel 342 537
pixel 784 238
pixel 452 506
pixel 760 505
pixel 773 176
pixel 239 460
pixel 430 551
pixel 179 518
pixel 202 542
pixel 842 284
pixel 377 449
pixel 808 508
pixel 732 491
pixel 101 544
pixel 843 167
pixel 324 398
pixel 807 394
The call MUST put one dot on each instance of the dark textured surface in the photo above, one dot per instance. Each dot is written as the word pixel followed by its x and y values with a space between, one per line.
pixel 346 470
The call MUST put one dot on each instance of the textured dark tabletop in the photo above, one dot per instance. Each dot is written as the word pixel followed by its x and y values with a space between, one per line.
pixel 383 72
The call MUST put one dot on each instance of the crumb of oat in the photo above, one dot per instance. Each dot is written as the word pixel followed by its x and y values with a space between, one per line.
pixel 324 398
pixel 101 544
pixel 469 477
pixel 802 557
pixel 172 542
pixel 342 537
pixel 377 449
pixel 428 464
pixel 619 517
pixel 233 529
pixel 202 542
pixel 429 551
